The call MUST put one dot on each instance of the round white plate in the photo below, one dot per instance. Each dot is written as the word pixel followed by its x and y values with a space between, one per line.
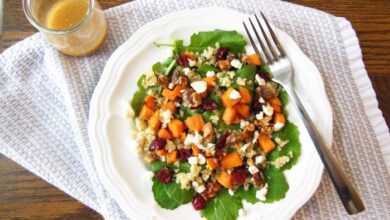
pixel 122 171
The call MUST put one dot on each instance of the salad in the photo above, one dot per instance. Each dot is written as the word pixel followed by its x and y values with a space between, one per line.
pixel 213 128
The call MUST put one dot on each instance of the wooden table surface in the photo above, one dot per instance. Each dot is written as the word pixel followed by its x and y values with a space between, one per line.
pixel 25 196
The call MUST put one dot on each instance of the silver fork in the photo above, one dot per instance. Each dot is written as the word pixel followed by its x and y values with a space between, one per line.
pixel 274 55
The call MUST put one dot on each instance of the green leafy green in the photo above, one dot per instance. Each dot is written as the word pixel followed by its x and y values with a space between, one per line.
pixel 290 132
pixel 277 184
pixel 248 195
pixel 247 72
pixel 139 96
pixel 178 46
pixel 283 96
pixel 169 195
pixel 156 165
pixel 165 67
pixel 231 39
pixel 224 206
pixel 202 70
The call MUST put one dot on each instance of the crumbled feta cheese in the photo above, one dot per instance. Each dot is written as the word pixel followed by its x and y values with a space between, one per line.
pixel 261 100
pixel 253 169
pixel 234 94
pixel 241 81
pixel 281 161
pixel 193 160
pixel 177 104
pixel 214 119
pixel 278 126
pixel 243 124
pixel 260 194
pixel 210 73
pixel 201 159
pixel 236 63
pixel 186 70
pixel 260 115
pixel 191 62
pixel 199 86
pixel 170 86
pixel 149 80
pixel 260 80
pixel 194 139
pixel 231 192
pixel 268 110
pixel 259 159
pixel 199 188
pixel 255 137
pixel 165 117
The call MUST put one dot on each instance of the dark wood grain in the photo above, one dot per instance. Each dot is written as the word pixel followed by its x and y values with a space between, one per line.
pixel 25 196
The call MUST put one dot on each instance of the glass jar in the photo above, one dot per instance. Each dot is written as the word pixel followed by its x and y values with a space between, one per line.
pixel 74 27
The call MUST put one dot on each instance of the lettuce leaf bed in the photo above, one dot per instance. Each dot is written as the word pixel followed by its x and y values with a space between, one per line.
pixel 224 206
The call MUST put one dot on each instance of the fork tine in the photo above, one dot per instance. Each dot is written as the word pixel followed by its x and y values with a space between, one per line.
pixel 270 46
pixel 276 41
pixel 265 51
pixel 253 42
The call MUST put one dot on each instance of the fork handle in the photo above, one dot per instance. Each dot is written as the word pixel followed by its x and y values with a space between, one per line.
pixel 348 195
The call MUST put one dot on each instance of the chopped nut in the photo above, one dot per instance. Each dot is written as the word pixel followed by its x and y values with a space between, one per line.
pixel 223 65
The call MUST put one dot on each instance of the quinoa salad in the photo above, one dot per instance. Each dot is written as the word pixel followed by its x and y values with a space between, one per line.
pixel 212 127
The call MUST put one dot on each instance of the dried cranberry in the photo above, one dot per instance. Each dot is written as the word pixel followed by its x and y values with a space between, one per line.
pixel 198 203
pixel 182 60
pixel 222 53
pixel 157 144
pixel 264 75
pixel 256 105
pixel 164 175
pixel 221 142
pixel 239 175
pixel 184 154
pixel 209 105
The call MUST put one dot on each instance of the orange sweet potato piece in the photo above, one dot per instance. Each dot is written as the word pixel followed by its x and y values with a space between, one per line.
pixel 164 134
pixel 189 55
pixel 212 163
pixel 231 160
pixel 195 123
pixel 150 102
pixel 225 179
pixel 169 94
pixel 195 150
pixel 227 101
pixel 171 157
pixel 169 106
pixel 177 90
pixel 210 81
pixel 242 110
pixel 246 97
pixel 229 115
pixel 274 101
pixel 276 104
pixel 161 152
pixel 266 143
pixel 279 117
pixel 254 59
pixel 176 127
pixel 145 113
pixel 154 121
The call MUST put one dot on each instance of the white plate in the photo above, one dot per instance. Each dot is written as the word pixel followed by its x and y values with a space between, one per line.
pixel 122 171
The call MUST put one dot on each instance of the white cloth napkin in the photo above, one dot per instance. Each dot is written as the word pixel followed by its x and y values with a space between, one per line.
pixel 44 104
